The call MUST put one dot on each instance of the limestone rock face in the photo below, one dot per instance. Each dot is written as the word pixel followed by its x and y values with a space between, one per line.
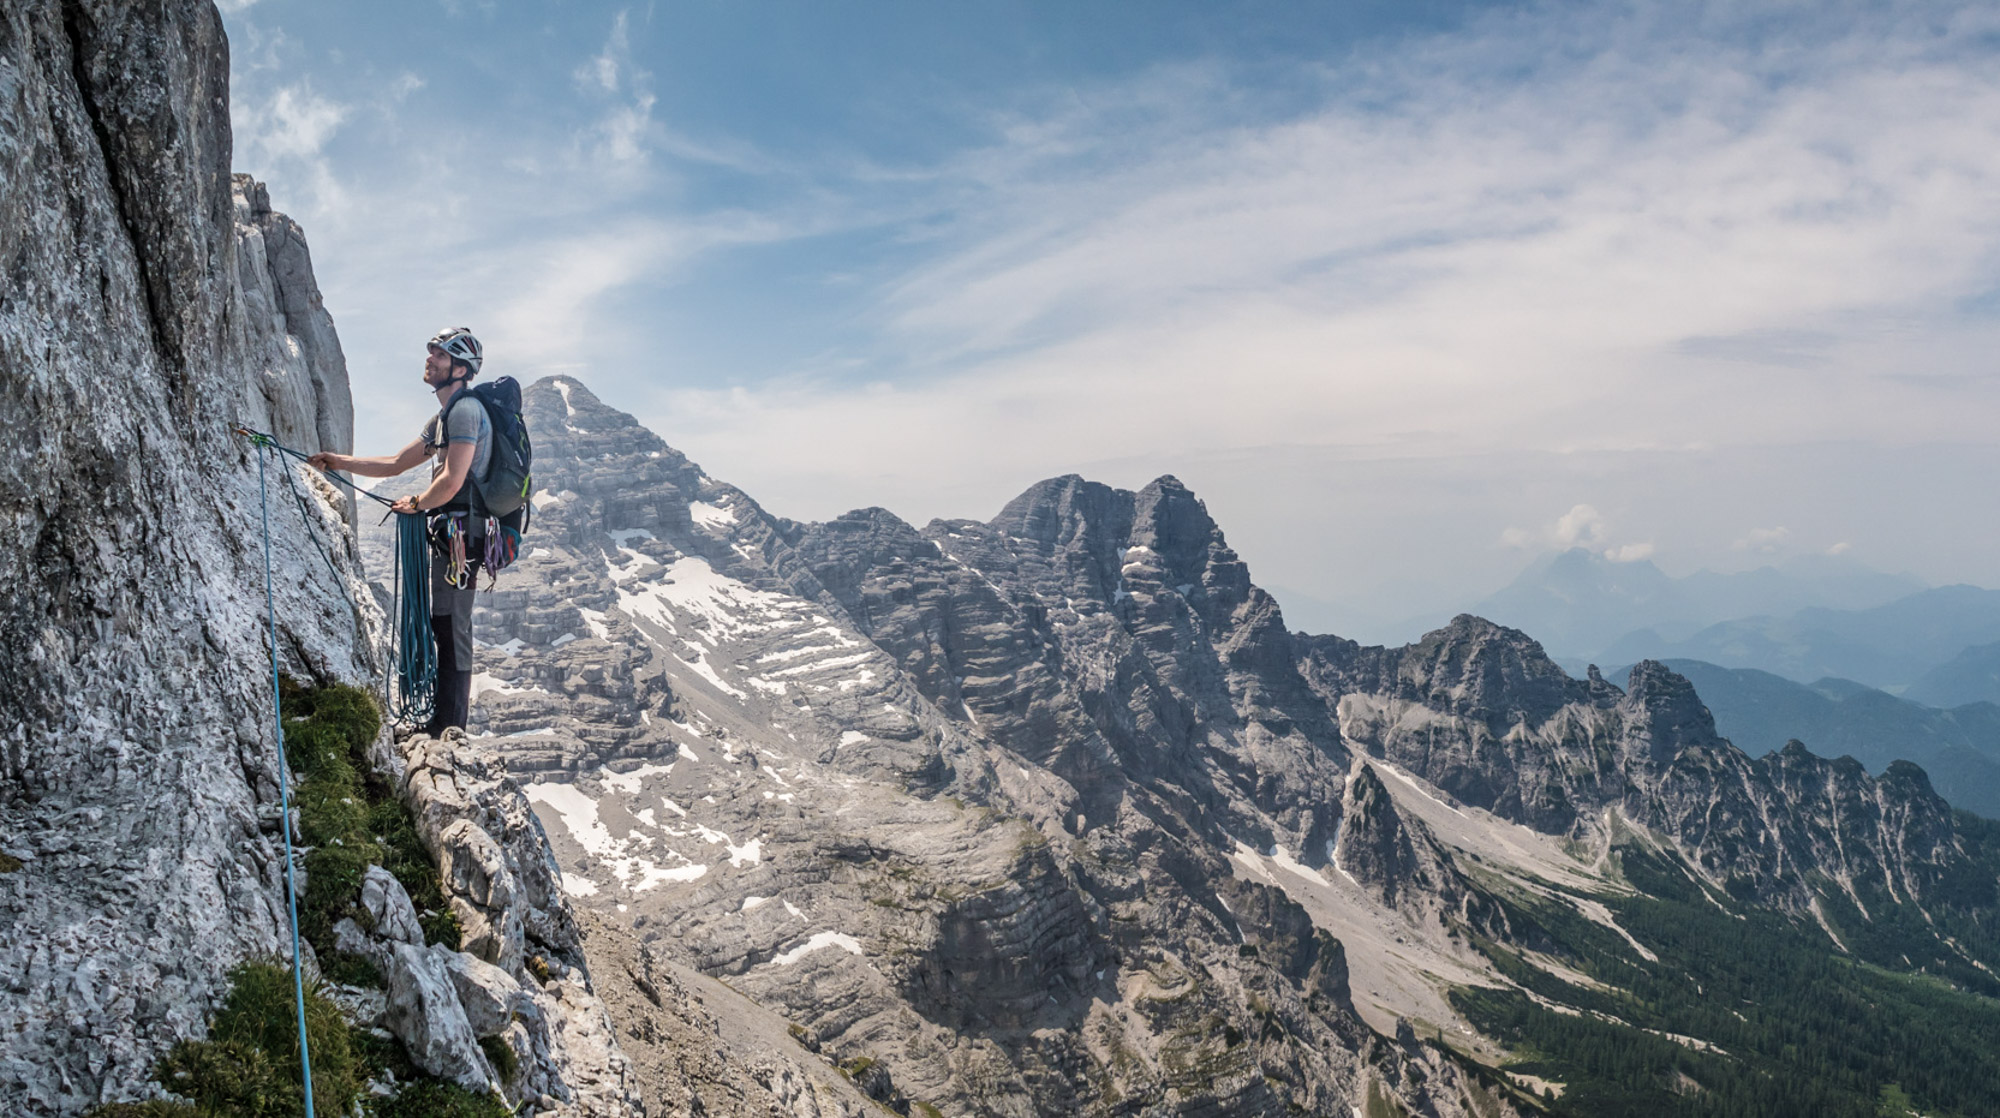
pixel 150 303
pixel 425 1012
pixel 522 975
pixel 138 773
pixel 392 915
pixel 489 996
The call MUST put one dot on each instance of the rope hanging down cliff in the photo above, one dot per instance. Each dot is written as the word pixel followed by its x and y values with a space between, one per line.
pixel 264 443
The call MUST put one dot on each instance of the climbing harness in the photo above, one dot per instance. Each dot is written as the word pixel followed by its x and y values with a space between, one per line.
pixel 503 543
pixel 284 777
pixel 498 544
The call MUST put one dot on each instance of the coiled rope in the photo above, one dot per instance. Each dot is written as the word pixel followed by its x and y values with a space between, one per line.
pixel 284 775
pixel 415 697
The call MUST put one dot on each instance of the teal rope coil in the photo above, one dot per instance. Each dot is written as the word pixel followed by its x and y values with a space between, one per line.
pixel 416 648
pixel 284 782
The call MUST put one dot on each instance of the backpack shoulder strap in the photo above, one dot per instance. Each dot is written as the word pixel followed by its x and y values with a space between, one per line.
pixel 444 414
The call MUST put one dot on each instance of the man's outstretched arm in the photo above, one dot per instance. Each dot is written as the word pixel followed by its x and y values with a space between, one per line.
pixel 403 460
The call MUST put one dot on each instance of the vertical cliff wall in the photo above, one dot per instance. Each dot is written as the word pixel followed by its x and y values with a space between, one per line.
pixel 147 302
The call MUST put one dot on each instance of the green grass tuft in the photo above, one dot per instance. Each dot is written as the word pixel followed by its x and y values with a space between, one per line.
pixel 260 1013
pixel 436 1098
pixel 501 1055
pixel 403 854
pixel 229 1077
pixel 349 969
pixel 351 818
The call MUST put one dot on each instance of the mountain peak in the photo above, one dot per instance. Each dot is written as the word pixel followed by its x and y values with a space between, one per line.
pixel 1063 508
pixel 1665 711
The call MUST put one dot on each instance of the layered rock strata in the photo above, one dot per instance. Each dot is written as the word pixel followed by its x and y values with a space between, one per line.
pixel 973 847
pixel 1481 713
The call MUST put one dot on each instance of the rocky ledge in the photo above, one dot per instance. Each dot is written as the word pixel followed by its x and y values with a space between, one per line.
pixel 520 978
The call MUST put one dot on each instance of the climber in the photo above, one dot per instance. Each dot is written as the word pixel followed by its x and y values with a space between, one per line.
pixel 459 441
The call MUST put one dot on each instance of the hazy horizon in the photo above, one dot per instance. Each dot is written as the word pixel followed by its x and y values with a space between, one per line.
pixel 1409 294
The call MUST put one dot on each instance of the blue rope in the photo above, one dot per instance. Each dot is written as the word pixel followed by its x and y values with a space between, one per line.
pixel 306 516
pixel 284 781
pixel 416 648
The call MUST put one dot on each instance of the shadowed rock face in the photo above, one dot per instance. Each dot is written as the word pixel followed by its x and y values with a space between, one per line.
pixel 962 642
pixel 1183 664
pixel 1499 726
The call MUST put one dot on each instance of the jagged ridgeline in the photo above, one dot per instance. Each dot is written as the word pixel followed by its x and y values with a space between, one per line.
pixel 1052 814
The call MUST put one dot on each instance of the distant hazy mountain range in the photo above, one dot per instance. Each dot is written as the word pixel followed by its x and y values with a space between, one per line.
pixel 1891 646
pixel 1806 620
pixel 1972 676
pixel 1759 712
pixel 1582 605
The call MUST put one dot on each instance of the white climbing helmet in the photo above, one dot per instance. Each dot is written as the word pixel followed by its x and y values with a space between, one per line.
pixel 458 344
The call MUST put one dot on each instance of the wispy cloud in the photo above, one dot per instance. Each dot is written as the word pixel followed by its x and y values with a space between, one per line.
pixel 602 69
pixel 621 138
pixel 1571 231
pixel 287 132
pixel 1485 256
pixel 1581 527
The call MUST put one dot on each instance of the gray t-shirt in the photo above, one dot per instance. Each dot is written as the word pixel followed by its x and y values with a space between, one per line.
pixel 468 425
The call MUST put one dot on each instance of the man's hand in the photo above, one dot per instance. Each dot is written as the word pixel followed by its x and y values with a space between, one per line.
pixel 326 460
pixel 405 505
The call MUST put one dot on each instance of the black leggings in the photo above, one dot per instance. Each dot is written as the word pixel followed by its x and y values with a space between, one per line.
pixel 451 625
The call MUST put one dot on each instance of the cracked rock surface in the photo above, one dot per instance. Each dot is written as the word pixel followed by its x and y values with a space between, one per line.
pixel 150 302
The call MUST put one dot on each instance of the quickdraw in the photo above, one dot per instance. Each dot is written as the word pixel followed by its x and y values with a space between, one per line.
pixel 448 536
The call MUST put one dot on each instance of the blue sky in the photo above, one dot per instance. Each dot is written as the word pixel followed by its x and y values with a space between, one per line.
pixel 1410 293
